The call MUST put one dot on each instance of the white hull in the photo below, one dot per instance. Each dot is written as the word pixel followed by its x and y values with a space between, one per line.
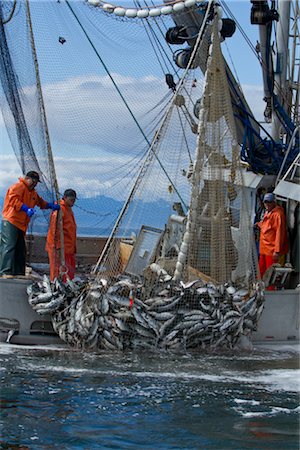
pixel 279 323
pixel 14 306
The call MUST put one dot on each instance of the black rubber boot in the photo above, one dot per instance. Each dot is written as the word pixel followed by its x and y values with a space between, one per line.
pixel 12 250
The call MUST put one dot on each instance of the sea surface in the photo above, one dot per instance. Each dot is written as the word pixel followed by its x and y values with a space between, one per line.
pixel 54 398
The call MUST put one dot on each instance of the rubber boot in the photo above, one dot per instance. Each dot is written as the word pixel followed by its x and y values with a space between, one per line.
pixel 13 250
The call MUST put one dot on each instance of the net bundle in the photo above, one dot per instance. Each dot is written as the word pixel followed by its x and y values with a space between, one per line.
pixel 218 239
pixel 185 280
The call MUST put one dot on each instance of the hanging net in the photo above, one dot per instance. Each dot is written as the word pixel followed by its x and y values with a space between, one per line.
pixel 20 98
pixel 105 94
pixel 218 239
pixel 211 234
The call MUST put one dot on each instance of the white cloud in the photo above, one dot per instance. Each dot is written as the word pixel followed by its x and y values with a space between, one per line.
pixel 88 110
pixel 9 172
pixel 87 176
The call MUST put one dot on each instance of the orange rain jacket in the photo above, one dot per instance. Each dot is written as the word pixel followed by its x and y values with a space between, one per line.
pixel 69 228
pixel 273 233
pixel 16 195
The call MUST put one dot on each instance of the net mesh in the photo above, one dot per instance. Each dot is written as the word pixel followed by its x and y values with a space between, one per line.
pixel 104 90
pixel 206 230
pixel 20 98
pixel 177 269
pixel 218 237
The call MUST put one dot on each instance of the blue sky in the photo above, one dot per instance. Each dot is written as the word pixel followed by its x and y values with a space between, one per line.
pixel 81 77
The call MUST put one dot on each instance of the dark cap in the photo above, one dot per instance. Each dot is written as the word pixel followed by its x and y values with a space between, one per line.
pixel 70 193
pixel 269 197
pixel 33 175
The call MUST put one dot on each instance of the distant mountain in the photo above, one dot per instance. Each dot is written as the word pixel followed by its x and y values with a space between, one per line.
pixel 97 216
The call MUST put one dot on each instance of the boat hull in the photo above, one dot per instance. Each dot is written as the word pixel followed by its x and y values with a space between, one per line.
pixel 16 313
pixel 279 322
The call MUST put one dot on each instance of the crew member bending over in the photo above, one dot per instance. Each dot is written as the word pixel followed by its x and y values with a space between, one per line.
pixel 18 208
pixel 53 244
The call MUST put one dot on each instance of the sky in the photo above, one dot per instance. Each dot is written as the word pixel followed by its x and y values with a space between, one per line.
pixel 58 86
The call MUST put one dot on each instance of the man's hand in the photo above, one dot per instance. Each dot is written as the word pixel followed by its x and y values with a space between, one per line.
pixel 53 206
pixel 29 211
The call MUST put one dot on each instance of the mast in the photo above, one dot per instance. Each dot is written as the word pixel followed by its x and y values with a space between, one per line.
pixel 294 69
pixel 281 63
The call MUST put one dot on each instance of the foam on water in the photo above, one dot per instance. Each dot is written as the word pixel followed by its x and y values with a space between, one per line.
pixel 246 402
pixel 272 380
pixel 273 411
pixel 175 397
pixel 18 348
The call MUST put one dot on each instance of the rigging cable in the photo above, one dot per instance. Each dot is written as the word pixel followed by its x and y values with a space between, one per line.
pixel 154 49
pixel 173 66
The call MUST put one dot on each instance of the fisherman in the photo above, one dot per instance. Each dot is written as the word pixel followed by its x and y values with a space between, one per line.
pixel 273 241
pixel 18 208
pixel 53 243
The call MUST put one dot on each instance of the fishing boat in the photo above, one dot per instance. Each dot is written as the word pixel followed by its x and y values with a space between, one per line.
pixel 165 229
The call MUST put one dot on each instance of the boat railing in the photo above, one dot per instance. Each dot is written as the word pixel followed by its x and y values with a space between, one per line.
pixel 296 161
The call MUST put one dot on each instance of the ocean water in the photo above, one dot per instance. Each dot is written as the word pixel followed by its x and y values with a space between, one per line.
pixel 54 398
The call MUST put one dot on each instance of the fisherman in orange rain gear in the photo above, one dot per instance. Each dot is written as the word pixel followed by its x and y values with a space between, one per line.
pixel 273 241
pixel 69 231
pixel 18 208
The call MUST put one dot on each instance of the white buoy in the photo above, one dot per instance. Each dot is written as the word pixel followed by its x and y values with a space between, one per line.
pixel 108 7
pixel 94 2
pixel 119 11
pixel 219 12
pixel 154 12
pixel 177 275
pixel 181 257
pixel 184 247
pixel 186 237
pixel 177 7
pixel 142 13
pixel 167 10
pixel 189 3
pixel 131 13
pixel 179 266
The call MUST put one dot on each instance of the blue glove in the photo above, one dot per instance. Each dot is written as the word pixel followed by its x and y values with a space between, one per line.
pixel 53 206
pixel 29 211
